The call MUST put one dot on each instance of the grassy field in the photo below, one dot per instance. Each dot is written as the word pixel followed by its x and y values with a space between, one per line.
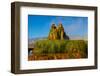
pixel 59 49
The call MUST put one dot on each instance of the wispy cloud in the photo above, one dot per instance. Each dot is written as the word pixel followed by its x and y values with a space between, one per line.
pixel 76 30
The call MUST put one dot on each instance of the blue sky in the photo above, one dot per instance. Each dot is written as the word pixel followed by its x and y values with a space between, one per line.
pixel 39 25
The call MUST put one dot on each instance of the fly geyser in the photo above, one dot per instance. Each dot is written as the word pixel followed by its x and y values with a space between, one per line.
pixel 58 45
pixel 57 33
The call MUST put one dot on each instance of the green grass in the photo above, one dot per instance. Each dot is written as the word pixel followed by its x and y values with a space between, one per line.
pixel 61 46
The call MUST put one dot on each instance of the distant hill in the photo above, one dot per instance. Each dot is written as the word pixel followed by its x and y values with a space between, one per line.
pixel 79 38
pixel 38 38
